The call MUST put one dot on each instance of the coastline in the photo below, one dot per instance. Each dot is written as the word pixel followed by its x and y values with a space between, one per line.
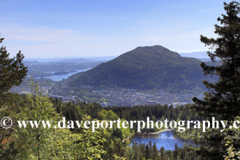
pixel 152 134
pixel 165 130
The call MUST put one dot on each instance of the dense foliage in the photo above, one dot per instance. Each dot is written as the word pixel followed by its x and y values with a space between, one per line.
pixel 150 152
pixel 156 112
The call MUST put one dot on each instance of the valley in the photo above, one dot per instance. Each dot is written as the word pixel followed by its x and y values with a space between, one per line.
pixel 63 78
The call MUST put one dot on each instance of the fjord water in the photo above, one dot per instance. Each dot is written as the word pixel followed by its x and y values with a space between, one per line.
pixel 64 76
pixel 165 139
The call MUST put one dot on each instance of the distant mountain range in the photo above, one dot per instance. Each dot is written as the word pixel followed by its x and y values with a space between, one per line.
pixel 152 67
pixel 69 59
pixel 200 54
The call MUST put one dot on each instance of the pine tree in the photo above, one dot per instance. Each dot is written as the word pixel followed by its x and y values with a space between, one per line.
pixel 222 100
pixel 155 151
pixel 12 70
pixel 162 151
pixel 175 151
pixel 147 152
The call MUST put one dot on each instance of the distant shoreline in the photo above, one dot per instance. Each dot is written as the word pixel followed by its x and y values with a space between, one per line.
pixel 165 130
pixel 153 133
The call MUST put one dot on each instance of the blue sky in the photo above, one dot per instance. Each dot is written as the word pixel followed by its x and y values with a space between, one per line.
pixel 87 28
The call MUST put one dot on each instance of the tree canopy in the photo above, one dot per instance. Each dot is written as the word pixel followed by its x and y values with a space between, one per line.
pixel 223 97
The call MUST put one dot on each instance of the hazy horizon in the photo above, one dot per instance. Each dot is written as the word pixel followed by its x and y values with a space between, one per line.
pixel 196 54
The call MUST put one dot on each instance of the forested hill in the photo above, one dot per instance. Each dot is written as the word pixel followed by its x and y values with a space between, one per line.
pixel 145 68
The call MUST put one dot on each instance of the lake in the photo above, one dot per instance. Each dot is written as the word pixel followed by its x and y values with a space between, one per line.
pixel 165 139
pixel 65 76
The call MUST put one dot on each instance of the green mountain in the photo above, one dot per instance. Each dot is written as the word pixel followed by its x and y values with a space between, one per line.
pixel 152 67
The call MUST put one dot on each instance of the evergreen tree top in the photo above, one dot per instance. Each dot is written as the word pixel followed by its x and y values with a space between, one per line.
pixel 223 97
pixel 12 70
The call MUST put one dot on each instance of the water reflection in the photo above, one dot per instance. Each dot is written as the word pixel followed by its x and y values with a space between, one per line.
pixel 165 139
pixel 169 134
